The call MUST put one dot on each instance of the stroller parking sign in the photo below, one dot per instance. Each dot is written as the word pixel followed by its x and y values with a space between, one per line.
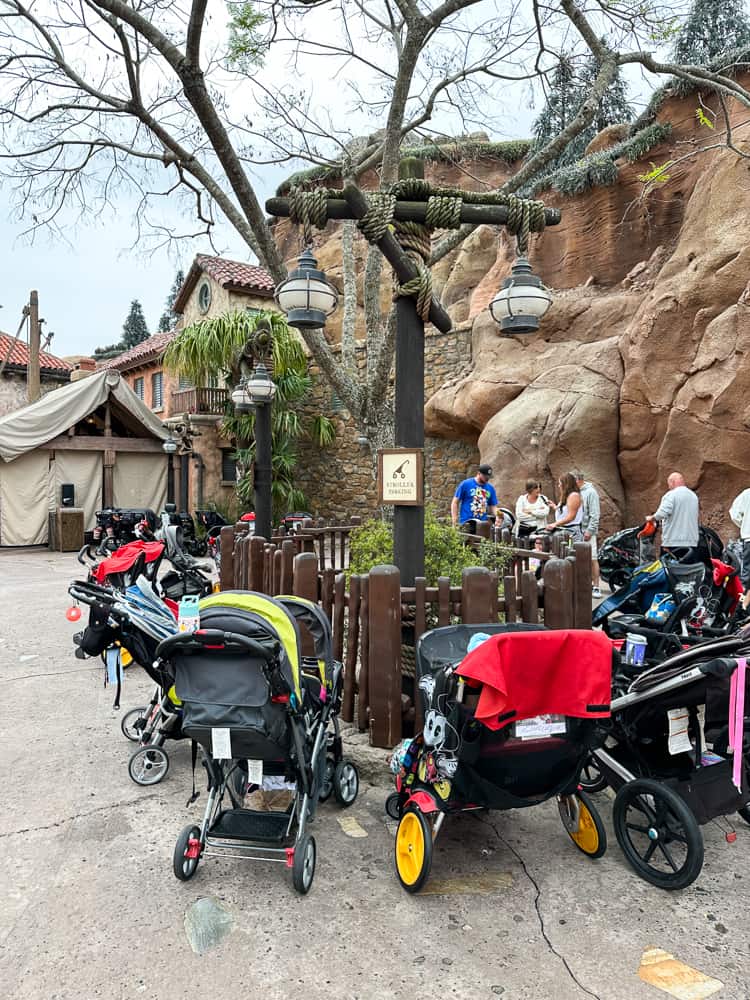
pixel 400 476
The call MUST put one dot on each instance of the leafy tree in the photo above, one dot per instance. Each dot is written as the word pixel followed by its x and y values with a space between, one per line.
pixel 135 328
pixel 212 348
pixel 167 318
pixel 712 27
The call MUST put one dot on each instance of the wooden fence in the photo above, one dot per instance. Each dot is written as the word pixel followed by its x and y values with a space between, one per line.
pixel 376 622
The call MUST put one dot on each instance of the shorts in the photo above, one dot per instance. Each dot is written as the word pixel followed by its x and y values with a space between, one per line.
pixel 594 547
pixel 745 563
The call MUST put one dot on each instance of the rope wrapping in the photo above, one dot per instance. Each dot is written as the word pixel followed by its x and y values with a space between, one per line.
pixel 443 211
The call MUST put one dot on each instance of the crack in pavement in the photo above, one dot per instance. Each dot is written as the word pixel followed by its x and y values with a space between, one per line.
pixel 537 897
pixel 80 815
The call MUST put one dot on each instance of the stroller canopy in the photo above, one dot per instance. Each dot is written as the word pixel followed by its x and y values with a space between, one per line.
pixel 316 622
pixel 274 614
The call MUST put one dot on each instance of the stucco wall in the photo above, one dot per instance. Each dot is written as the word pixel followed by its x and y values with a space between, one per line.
pixel 13 392
pixel 222 300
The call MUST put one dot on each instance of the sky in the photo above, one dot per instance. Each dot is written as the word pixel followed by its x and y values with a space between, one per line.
pixel 87 279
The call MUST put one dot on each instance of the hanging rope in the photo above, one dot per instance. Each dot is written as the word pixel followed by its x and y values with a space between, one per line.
pixel 443 211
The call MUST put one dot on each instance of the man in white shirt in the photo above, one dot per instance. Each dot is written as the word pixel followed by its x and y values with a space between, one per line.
pixel 740 514
pixel 678 511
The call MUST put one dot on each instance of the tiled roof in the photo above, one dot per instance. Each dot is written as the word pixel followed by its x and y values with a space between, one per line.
pixel 19 355
pixel 147 350
pixel 234 274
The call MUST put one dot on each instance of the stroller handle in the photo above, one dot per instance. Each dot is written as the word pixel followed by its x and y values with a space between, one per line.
pixel 86 556
pixel 216 637
pixel 91 593
pixel 722 666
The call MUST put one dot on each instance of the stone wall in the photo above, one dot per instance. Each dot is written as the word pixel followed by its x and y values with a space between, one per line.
pixel 340 480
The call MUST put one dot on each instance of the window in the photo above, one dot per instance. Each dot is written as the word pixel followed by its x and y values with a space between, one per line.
pixel 138 387
pixel 228 466
pixel 157 391
pixel 204 297
pixel 185 383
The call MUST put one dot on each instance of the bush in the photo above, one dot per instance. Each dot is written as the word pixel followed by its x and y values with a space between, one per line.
pixel 446 553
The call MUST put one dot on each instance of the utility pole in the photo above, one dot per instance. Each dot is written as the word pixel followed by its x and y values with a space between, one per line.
pixel 33 386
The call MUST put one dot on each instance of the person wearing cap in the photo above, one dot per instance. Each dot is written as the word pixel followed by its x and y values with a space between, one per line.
pixel 475 499
pixel 590 525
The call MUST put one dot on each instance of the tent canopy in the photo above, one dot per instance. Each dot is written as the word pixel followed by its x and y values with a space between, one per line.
pixel 36 424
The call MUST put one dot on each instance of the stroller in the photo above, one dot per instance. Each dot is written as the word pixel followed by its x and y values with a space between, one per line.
pixel 132 624
pixel 623 553
pixel 261 713
pixel 677 756
pixel 507 726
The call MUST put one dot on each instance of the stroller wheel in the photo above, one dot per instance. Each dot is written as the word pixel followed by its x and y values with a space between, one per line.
pixel 583 823
pixel 413 850
pixel 326 785
pixel 187 853
pixel 393 805
pixel 591 779
pixel 303 865
pixel 345 783
pixel 133 723
pixel 148 765
pixel 658 834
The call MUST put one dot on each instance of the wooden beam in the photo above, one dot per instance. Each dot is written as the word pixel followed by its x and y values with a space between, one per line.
pixel 103 443
pixel 414 211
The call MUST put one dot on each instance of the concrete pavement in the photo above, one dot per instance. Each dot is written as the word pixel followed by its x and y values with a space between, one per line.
pixel 90 907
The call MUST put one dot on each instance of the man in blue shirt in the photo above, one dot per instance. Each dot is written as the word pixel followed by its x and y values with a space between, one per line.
pixel 475 499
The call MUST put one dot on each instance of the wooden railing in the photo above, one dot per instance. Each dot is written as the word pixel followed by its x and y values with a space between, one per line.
pixel 376 622
pixel 206 400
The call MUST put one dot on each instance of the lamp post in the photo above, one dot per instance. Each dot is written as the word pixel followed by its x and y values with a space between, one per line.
pixel 256 391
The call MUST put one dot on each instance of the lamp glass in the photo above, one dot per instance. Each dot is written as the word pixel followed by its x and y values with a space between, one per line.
pixel 520 300
pixel 304 292
pixel 242 401
pixel 261 388
pixel 169 446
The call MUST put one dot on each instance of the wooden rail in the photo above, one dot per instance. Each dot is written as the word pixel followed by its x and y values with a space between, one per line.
pixel 201 400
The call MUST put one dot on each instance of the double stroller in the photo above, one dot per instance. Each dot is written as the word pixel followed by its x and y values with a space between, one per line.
pixel 676 753
pixel 263 715
pixel 509 725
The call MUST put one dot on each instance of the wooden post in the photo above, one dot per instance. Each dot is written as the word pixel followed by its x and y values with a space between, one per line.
pixel 476 595
pixel 327 582
pixel 529 597
pixel 226 570
pixel 582 584
pixel 385 656
pixel 288 552
pixel 337 620
pixel 305 576
pixel 363 698
pixel 558 594
pixel 352 649
pixel 108 482
pixel 33 382
pixel 255 564
pixel 444 600
pixel 509 587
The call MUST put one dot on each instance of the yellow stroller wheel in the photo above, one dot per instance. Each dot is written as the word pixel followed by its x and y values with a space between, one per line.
pixel 413 849
pixel 583 824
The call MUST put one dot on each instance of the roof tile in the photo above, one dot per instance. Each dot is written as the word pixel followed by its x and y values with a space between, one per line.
pixel 235 273
pixel 152 347
pixel 19 355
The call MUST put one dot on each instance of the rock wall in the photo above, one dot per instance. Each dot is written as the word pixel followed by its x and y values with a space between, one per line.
pixel 639 369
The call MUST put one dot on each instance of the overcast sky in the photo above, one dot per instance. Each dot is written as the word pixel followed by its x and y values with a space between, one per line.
pixel 87 281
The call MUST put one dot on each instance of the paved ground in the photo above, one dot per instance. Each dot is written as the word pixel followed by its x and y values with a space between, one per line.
pixel 90 907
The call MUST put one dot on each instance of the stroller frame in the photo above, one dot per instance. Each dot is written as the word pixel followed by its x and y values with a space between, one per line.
pixel 314 759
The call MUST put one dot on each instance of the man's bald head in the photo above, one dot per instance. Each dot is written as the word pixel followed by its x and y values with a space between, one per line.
pixel 675 479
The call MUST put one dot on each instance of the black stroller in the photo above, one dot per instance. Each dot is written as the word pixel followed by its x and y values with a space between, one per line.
pixel 506 726
pixel 668 755
pixel 260 711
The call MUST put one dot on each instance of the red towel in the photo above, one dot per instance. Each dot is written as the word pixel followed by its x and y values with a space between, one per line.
pixel 525 674
pixel 124 557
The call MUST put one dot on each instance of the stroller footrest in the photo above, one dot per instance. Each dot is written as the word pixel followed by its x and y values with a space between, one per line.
pixel 250 824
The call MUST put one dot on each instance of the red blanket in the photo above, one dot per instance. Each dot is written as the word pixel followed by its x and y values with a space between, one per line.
pixel 124 557
pixel 525 674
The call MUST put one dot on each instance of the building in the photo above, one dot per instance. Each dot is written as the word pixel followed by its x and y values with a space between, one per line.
pixel 203 469
pixel 14 363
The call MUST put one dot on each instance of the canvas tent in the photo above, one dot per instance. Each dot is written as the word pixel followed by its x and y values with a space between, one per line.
pixel 94 433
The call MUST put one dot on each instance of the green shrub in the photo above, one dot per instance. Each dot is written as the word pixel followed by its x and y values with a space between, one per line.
pixel 446 553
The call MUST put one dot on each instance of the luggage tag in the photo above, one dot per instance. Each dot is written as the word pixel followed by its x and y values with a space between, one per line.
pixel 221 744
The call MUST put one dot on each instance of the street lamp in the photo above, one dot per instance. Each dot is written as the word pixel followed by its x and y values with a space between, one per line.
pixel 169 446
pixel 306 296
pixel 257 393
pixel 522 300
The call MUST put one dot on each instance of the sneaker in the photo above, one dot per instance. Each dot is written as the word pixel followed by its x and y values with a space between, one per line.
pixel 596 592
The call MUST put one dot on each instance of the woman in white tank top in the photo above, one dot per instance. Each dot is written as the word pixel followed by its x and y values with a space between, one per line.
pixel 569 511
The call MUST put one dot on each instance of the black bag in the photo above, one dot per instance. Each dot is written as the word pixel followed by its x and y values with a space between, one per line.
pixel 98 634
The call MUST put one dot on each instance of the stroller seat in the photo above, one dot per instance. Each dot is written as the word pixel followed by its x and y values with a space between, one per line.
pixel 684 578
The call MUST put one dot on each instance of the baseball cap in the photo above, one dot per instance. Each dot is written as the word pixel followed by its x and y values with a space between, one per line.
pixel 486 470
